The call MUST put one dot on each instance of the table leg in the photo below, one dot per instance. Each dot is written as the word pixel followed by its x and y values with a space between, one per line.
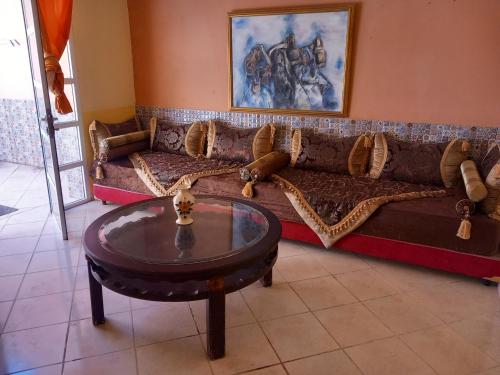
pixel 216 318
pixel 267 280
pixel 95 298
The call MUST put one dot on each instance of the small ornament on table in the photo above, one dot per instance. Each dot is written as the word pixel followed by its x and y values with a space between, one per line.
pixel 183 205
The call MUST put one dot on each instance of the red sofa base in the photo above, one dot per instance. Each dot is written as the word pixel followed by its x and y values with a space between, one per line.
pixel 422 255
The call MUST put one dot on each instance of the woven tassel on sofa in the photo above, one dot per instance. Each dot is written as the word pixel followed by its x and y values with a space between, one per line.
pixel 99 172
pixel 248 189
pixel 464 229
pixel 465 208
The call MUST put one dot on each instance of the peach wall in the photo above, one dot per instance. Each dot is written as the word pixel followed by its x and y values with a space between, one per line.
pixel 102 53
pixel 414 60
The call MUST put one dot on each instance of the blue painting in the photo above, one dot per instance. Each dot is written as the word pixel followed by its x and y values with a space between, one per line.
pixel 290 62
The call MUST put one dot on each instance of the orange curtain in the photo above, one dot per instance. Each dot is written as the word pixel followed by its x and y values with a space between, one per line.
pixel 55 23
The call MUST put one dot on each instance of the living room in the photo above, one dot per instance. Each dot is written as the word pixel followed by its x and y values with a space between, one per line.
pixel 250 187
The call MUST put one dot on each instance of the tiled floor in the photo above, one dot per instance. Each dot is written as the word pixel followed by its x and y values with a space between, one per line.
pixel 328 312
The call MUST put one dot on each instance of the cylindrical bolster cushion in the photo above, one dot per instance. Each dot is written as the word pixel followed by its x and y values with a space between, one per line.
pixel 476 191
pixel 265 166
pixel 125 150
pixel 124 139
pixel 269 164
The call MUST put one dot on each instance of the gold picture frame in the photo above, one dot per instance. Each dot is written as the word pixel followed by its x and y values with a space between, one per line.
pixel 291 60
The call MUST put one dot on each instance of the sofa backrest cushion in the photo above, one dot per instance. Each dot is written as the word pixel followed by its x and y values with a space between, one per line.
pixel 100 130
pixel 239 144
pixel 419 163
pixel 184 139
pixel 318 151
pixel 168 137
pixel 490 171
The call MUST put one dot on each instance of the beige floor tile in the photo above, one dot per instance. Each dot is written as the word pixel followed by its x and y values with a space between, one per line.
pixel 337 363
pixel 298 336
pixel 39 311
pixel 47 282
pixel 14 264
pixel 82 277
pixel 475 290
pixel 169 321
pixel 16 246
pixel 274 302
pixel 352 324
pixel 237 312
pixel 388 357
pixel 180 357
pixel 85 339
pixel 482 331
pixel 246 349
pixel 55 242
pixel 9 285
pixel 113 303
pixel 322 293
pixel 32 348
pixel 277 279
pixel 366 284
pixel 4 313
pixel 272 370
pixel 51 260
pixel 46 370
pixel 21 230
pixel 493 371
pixel 401 313
pixel 449 303
pixel 338 261
pixel 447 352
pixel 118 363
pixel 300 267
pixel 144 304
pixel 288 248
pixel 408 277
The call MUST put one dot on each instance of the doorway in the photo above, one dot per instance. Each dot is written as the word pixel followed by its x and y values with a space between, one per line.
pixel 37 173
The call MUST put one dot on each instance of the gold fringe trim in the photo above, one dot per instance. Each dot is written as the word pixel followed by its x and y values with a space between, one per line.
pixel 185 182
pixel 331 234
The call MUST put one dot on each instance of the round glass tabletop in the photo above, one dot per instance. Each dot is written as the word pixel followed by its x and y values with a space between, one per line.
pixel 148 232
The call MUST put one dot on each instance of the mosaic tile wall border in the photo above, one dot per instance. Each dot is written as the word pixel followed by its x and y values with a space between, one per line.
pixel 480 137
pixel 19 135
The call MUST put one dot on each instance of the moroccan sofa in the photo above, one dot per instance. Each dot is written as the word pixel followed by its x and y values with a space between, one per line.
pixel 371 194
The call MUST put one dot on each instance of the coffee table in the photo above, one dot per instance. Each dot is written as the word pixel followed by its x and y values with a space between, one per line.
pixel 139 251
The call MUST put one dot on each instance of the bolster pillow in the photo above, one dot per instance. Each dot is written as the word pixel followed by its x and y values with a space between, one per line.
pixel 265 166
pixel 122 145
pixel 476 191
pixel 269 164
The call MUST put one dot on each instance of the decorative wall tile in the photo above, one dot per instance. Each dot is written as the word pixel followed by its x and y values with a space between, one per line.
pixel 19 134
pixel 480 137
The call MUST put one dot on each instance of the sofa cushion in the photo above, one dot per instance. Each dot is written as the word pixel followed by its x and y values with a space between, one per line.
pixel 490 171
pixel 168 137
pixel 239 144
pixel 418 163
pixel 122 145
pixel 100 130
pixel 317 151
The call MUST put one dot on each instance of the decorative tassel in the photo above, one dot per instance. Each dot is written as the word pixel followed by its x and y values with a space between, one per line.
pixel 248 190
pixel 99 172
pixel 465 208
pixel 464 229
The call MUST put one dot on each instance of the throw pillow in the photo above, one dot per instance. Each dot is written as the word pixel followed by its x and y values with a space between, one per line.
pixel 320 152
pixel 490 171
pixel 239 144
pixel 168 137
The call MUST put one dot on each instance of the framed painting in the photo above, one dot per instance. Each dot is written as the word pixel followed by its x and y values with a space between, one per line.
pixel 291 60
